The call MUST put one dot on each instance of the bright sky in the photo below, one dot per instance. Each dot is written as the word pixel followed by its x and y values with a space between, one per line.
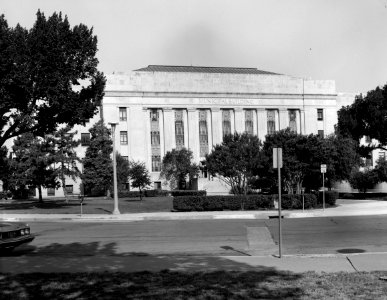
pixel 343 40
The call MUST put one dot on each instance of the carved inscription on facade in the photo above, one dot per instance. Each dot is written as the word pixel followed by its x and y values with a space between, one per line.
pixel 219 101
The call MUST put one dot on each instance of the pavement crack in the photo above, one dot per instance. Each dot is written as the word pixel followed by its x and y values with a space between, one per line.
pixel 352 264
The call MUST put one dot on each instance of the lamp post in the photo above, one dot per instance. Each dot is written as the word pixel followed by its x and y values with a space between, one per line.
pixel 115 211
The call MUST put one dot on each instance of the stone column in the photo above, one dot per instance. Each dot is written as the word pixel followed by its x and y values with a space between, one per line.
pixel 193 133
pixel 302 121
pixel 209 130
pixel 283 118
pixel 239 120
pixel 216 126
pixel 262 123
pixel 169 129
pixel 147 144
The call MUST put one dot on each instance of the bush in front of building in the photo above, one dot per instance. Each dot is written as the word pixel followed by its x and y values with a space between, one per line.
pixel 294 201
pixel 179 193
pixel 218 203
pixel 330 197
pixel 128 194
pixel 156 193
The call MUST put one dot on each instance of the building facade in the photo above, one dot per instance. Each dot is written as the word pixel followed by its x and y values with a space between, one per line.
pixel 159 108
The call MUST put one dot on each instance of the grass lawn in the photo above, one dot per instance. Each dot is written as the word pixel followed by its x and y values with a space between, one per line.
pixel 269 284
pixel 90 206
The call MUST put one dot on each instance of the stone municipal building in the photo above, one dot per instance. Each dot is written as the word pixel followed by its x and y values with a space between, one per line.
pixel 159 108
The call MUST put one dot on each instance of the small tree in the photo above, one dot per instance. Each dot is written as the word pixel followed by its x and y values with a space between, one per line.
pixel 177 166
pixel 381 169
pixel 65 155
pixel 139 176
pixel 122 170
pixel 97 164
pixel 32 165
pixel 236 161
pixel 364 180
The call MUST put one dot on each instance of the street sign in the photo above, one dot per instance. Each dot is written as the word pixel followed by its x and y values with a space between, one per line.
pixel 323 168
pixel 277 158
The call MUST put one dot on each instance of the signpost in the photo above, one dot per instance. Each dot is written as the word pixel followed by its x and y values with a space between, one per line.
pixel 323 171
pixel 277 164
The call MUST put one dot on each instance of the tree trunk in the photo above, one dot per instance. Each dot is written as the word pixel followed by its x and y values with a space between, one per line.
pixel 40 193
pixel 140 194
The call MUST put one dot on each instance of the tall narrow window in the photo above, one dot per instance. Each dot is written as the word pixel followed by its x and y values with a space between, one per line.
pixel 382 155
pixel 226 117
pixel 249 122
pixel 155 141
pixel 292 121
pixel 270 121
pixel 369 160
pixel 203 133
pixel 321 133
pixel 320 114
pixel 123 114
pixel 179 129
pixel 123 137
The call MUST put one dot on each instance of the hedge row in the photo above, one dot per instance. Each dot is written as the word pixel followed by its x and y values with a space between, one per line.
pixel 212 203
pixel 362 195
pixel 179 193
pixel 294 201
pixel 145 193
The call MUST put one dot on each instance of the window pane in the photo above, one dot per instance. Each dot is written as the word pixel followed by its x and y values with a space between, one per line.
pixel 203 133
pixel 156 163
pixel 85 139
pixel 122 113
pixel 249 122
pixel 123 137
pixel 226 125
pixel 179 129
pixel 50 192
pixel 270 121
pixel 320 114
pixel 292 121
pixel 321 133
pixel 69 189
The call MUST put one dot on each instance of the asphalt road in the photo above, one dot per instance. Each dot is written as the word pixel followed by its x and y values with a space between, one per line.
pixel 69 246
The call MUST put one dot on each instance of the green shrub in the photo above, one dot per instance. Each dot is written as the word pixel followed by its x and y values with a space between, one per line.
pixel 218 203
pixel 330 197
pixel 178 193
pixel 156 193
pixel 347 196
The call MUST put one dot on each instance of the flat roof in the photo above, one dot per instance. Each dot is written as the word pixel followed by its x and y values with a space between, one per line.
pixel 196 69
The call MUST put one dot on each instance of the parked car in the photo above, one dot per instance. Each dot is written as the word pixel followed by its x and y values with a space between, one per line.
pixel 14 234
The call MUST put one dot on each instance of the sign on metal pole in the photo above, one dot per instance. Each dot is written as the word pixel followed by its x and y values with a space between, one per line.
pixel 277 163
pixel 277 157
pixel 323 171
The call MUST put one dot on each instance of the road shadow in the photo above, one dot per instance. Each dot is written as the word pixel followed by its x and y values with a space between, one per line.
pixel 83 267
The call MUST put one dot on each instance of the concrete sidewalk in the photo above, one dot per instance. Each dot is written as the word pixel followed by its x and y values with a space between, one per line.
pixel 344 208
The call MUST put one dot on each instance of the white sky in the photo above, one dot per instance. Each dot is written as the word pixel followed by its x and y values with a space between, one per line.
pixel 343 40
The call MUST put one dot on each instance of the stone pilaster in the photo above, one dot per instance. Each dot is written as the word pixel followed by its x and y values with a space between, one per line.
pixel 193 133
pixel 216 126
pixel 262 123
pixel 169 129
pixel 283 119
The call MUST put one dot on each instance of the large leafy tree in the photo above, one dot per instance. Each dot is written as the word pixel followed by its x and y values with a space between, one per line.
pixel 48 76
pixel 97 172
pixel 139 175
pixel 236 161
pixel 177 167
pixel 4 166
pixel 32 164
pixel 367 116
pixel 303 156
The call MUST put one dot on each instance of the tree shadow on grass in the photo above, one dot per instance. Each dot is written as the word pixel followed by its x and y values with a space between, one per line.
pixel 32 204
pixel 78 270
